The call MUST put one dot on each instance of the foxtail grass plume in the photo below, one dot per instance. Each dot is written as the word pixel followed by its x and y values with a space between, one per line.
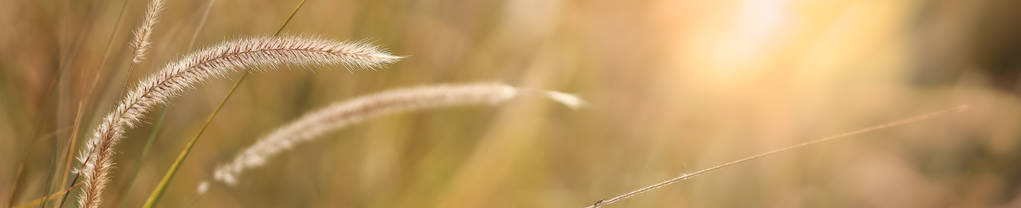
pixel 346 113
pixel 142 40
pixel 216 61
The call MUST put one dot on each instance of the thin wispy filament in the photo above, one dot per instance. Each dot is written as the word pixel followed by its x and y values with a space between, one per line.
pixel 686 176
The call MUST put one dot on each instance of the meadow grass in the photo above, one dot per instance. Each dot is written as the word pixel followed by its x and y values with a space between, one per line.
pixel 258 52
pixel 270 52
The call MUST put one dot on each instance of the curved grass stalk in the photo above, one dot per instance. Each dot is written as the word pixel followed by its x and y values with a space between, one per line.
pixel 216 61
pixel 343 114
pixel 161 188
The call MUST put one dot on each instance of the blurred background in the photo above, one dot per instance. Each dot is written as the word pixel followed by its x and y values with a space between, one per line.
pixel 673 86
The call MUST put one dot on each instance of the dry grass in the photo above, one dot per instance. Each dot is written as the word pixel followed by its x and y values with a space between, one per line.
pixel 671 87
pixel 343 114
pixel 251 53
